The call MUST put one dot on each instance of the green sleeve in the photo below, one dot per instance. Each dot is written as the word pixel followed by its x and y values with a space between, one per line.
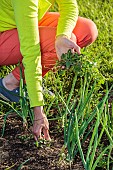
pixel 68 10
pixel 26 17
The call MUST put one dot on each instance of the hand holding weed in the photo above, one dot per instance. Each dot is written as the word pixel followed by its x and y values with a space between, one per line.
pixel 40 125
pixel 63 44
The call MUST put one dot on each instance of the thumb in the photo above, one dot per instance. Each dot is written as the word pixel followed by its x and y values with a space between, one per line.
pixel 73 38
pixel 77 48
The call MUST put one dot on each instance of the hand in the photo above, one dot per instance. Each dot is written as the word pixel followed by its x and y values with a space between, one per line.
pixel 63 44
pixel 41 124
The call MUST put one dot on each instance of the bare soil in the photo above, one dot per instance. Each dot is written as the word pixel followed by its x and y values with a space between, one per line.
pixel 18 146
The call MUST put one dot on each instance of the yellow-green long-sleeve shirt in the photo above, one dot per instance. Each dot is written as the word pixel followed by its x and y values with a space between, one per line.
pixel 24 15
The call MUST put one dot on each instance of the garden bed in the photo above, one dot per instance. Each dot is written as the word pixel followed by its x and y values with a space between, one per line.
pixel 17 146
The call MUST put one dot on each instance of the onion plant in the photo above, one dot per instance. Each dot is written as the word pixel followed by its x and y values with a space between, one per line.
pixel 24 108
pixel 85 119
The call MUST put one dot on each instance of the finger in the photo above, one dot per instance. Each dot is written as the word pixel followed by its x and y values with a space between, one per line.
pixel 58 54
pixel 73 51
pixel 74 46
pixel 77 49
pixel 35 137
pixel 40 133
pixel 59 57
pixel 37 132
pixel 46 134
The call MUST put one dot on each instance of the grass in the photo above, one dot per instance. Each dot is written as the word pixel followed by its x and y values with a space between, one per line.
pixel 101 13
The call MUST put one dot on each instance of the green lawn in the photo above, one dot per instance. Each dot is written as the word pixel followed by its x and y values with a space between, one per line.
pixel 101 13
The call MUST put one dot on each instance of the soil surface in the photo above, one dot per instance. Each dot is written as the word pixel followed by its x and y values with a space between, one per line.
pixel 17 148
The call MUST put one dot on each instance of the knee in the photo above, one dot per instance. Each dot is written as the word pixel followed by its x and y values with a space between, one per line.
pixel 93 31
pixel 85 31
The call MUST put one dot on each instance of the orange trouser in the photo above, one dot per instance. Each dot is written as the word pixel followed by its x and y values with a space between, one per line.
pixel 85 31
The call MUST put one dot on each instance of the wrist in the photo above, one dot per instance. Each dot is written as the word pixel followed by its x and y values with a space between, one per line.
pixel 61 36
pixel 38 111
pixel 38 108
